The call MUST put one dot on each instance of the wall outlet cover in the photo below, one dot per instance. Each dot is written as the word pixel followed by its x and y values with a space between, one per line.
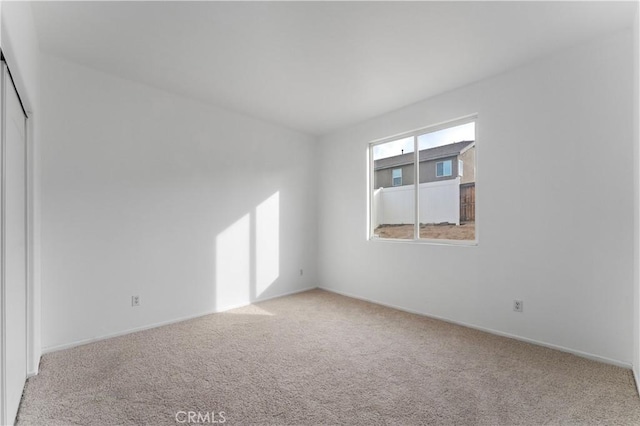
pixel 517 305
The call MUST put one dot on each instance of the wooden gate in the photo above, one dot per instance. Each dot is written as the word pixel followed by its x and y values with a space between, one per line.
pixel 468 202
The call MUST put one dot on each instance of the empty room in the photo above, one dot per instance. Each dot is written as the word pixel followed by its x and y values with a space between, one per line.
pixel 303 213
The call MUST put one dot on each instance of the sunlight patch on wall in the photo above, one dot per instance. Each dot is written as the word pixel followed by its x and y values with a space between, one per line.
pixel 233 264
pixel 267 243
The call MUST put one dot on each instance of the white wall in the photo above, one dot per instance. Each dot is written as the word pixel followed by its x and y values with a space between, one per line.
pixel 554 207
pixel 147 193
pixel 20 47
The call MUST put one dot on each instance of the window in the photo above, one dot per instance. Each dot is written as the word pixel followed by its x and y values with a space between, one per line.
pixel 443 168
pixel 393 207
pixel 415 193
pixel 396 177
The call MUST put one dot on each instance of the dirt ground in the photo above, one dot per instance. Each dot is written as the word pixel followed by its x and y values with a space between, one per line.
pixel 465 231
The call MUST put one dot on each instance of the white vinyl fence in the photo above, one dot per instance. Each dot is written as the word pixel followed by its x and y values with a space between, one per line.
pixel 439 202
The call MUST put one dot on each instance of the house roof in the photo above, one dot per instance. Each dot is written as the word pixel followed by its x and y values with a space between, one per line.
pixel 442 151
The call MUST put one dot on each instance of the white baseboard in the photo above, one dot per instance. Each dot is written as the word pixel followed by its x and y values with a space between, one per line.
pixel 160 324
pixel 582 354
pixel 636 377
pixel 491 331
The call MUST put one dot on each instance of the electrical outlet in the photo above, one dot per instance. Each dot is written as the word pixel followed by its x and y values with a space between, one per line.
pixel 517 305
pixel 135 300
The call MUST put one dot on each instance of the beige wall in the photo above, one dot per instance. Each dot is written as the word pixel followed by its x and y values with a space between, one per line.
pixel 469 165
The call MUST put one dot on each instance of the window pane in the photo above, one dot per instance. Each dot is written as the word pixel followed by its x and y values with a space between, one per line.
pixel 447 168
pixel 443 168
pixel 392 193
pixel 396 175
pixel 447 195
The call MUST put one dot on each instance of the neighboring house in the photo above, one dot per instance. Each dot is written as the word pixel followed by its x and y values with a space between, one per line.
pixel 436 164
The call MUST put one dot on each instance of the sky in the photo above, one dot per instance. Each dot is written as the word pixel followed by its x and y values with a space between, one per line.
pixel 464 132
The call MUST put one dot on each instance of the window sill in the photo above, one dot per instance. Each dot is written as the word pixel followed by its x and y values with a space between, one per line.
pixel 422 241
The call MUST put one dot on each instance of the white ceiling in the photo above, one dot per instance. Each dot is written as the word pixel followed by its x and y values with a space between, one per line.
pixel 316 66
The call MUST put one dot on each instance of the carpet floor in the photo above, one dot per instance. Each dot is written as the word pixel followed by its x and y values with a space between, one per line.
pixel 320 358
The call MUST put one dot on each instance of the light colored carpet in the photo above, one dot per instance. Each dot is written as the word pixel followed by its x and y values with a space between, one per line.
pixel 320 358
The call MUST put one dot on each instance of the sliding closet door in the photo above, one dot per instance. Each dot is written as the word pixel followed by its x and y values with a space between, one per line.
pixel 15 247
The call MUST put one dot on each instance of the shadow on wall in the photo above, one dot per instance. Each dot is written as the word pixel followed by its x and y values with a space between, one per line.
pixel 247 256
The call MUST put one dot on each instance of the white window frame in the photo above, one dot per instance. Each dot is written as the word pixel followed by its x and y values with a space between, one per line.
pixel 393 178
pixel 371 171
pixel 460 168
pixel 443 163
